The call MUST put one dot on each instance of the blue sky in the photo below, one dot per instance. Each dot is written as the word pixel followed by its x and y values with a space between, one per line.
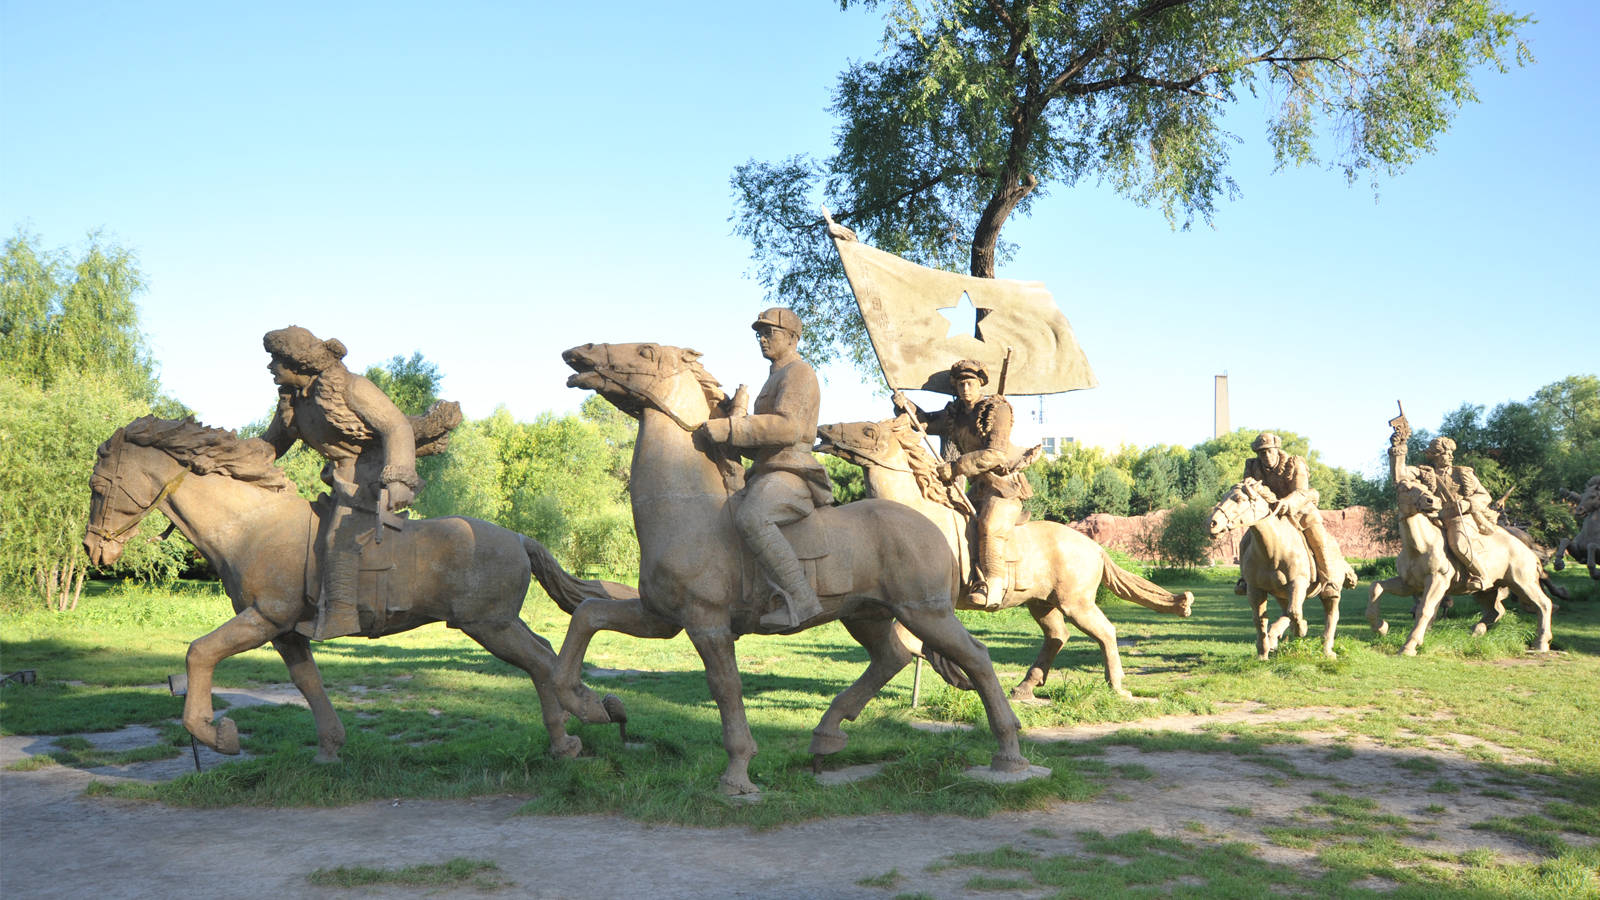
pixel 492 183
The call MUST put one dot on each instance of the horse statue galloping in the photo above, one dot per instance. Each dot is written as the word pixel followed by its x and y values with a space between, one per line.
pixel 1274 561
pixel 237 508
pixel 1427 572
pixel 1062 568
pixel 690 571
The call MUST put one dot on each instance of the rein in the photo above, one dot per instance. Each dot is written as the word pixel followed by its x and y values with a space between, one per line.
pixel 167 489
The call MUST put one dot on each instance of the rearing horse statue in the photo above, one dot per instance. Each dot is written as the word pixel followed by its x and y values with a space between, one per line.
pixel 237 508
pixel 1274 562
pixel 1061 569
pixel 691 577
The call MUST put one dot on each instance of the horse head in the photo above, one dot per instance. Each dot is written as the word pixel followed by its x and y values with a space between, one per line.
pixel 1245 504
pixel 1414 497
pixel 124 488
pixel 635 377
pixel 865 444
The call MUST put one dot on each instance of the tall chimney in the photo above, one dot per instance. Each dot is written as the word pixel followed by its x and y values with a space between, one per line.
pixel 1220 424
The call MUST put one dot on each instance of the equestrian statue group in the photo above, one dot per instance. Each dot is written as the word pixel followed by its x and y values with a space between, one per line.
pixel 728 549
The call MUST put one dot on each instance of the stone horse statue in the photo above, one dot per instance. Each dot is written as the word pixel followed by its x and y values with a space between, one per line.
pixel 229 499
pixel 1427 572
pixel 897 566
pixel 1059 569
pixel 1585 545
pixel 1274 561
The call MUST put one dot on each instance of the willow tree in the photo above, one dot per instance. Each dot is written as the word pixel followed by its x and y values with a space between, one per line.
pixel 976 108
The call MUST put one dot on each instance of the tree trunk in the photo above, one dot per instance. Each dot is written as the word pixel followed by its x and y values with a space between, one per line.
pixel 52 585
pixel 77 585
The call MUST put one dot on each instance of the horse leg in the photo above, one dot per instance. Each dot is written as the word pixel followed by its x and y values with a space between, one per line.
pixel 295 648
pixel 1492 602
pixel 600 614
pixel 889 655
pixel 938 627
pixel 245 631
pixel 1093 622
pixel 1374 613
pixel 1428 604
pixel 1297 611
pixel 1265 642
pixel 514 642
pixel 1559 562
pixel 715 647
pixel 1591 563
pixel 1526 584
pixel 1290 613
pixel 1054 628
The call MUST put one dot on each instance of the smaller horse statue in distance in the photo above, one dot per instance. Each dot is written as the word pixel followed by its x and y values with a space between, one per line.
pixel 1585 545
pixel 1427 572
pixel 1061 569
pixel 1274 561
pixel 229 499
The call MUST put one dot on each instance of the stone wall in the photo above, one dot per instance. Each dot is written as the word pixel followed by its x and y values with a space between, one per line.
pixel 1353 527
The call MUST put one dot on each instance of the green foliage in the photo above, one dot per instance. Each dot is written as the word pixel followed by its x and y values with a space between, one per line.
pixel 1186 539
pixel 475 873
pixel 413 384
pixel 64 318
pixel 974 110
pixel 849 481
pixel 1110 492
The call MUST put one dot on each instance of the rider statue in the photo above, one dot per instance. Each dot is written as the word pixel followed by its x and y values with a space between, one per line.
pixel 979 430
pixel 785 482
pixel 1289 478
pixel 1588 502
pixel 1464 515
pixel 371 454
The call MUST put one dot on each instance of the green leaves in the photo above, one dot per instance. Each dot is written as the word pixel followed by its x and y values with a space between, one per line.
pixel 975 109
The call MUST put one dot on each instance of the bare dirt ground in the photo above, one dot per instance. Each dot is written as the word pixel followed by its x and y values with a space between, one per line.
pixel 54 842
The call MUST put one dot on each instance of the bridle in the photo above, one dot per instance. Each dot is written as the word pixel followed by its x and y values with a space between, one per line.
pixel 1252 496
pixel 96 526
pixel 649 392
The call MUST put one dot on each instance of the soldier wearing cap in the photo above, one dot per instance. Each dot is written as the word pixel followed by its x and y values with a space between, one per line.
pixel 367 441
pixel 785 482
pixel 1464 513
pixel 1289 478
pixel 978 429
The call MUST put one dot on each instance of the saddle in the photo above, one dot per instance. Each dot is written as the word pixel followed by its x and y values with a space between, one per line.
pixel 825 558
pixel 384 574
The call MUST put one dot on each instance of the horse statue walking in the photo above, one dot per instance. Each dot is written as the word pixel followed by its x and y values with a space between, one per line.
pixel 229 499
pixel 895 564
pixel 1274 561
pixel 1427 573
pixel 1059 569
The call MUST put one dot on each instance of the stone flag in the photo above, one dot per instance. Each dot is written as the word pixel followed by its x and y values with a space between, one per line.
pixel 900 302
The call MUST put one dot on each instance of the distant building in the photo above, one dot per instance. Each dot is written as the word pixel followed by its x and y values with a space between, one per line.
pixel 1055 445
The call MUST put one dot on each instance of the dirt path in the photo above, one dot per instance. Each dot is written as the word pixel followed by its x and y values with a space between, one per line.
pixel 54 842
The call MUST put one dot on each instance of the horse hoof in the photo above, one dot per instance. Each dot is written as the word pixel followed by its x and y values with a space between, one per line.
pixel 1330 654
pixel 1263 656
pixel 325 757
pixel 227 737
pixel 736 787
pixel 1479 630
pixel 1007 764
pixel 612 704
pixel 1382 629
pixel 1124 693
pixel 567 748
pixel 824 742
pixel 1408 651
pixel 1185 604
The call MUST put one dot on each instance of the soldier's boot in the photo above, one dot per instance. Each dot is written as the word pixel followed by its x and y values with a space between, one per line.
pixel 1240 588
pixel 777 559
pixel 1472 580
pixel 337 613
pixel 1330 571
pixel 989 579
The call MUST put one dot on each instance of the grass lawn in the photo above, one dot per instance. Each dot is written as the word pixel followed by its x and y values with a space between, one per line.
pixel 430 714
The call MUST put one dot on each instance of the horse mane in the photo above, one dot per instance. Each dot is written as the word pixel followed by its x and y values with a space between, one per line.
pixel 204 450
pixel 715 395
pixel 1259 487
pixel 922 463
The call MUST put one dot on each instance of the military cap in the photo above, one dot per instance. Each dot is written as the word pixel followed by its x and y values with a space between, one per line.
pixel 1264 440
pixel 969 368
pixel 779 317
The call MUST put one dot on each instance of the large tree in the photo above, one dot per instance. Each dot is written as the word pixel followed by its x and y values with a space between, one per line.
pixel 977 107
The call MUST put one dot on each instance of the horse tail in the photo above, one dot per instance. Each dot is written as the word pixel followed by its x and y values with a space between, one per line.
pixel 1148 594
pixel 565 589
